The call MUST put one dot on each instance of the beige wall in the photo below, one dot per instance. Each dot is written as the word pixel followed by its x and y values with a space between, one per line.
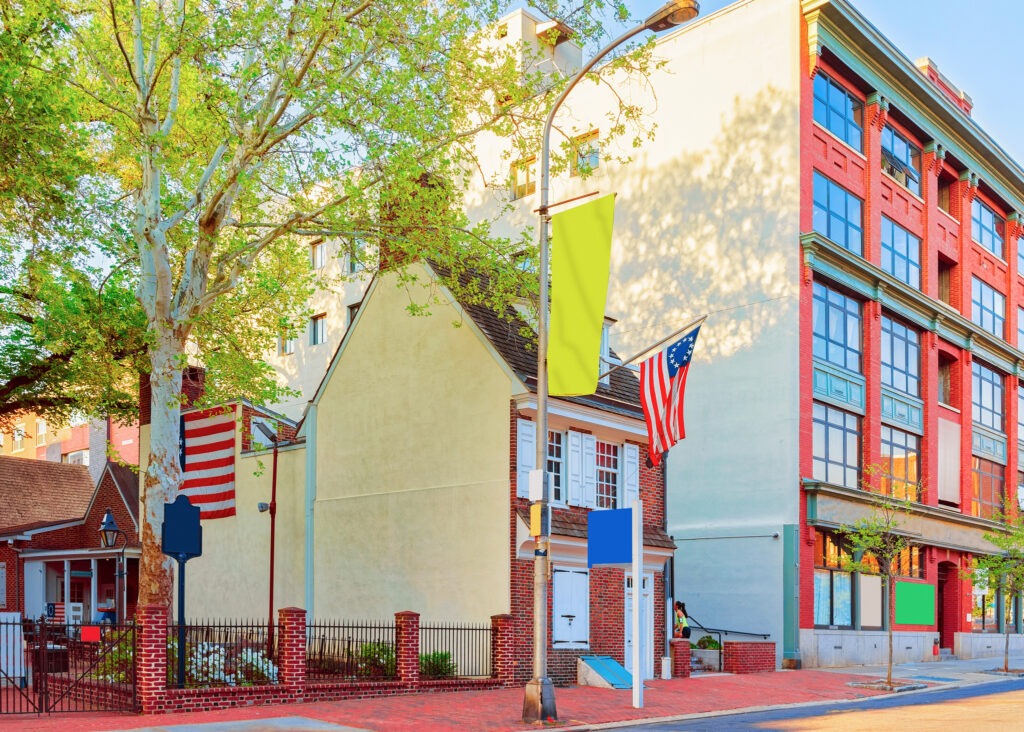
pixel 707 221
pixel 230 579
pixel 413 468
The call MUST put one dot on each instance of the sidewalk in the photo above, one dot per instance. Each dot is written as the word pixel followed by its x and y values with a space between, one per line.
pixel 579 708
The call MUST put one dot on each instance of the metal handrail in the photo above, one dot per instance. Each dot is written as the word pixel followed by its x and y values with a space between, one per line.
pixel 694 623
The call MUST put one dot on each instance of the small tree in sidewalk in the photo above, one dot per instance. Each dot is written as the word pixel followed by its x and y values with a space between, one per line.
pixel 876 545
pixel 1006 568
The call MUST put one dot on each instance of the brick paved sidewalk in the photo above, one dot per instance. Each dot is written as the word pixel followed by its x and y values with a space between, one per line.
pixel 498 711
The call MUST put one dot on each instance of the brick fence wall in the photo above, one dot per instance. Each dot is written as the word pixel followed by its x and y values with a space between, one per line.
pixel 743 657
pixel 154 696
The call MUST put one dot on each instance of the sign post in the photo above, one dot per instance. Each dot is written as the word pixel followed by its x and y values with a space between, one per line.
pixel 615 537
pixel 181 538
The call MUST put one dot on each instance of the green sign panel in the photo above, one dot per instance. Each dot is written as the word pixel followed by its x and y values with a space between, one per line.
pixel 915 603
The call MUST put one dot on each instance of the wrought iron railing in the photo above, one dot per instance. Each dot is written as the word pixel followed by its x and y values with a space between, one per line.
pixel 449 650
pixel 223 653
pixel 350 650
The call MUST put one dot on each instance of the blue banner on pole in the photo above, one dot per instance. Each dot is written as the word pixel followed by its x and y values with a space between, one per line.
pixel 610 537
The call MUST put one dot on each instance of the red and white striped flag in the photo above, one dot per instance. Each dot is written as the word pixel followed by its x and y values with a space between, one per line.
pixel 662 386
pixel 208 461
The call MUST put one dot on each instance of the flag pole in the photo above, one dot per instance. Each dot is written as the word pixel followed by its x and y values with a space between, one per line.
pixel 664 340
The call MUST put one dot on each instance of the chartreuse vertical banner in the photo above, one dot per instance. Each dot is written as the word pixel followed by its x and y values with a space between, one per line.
pixel 581 250
pixel 915 603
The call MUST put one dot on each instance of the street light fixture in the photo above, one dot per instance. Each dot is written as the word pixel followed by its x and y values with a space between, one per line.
pixel 539 699
pixel 109 531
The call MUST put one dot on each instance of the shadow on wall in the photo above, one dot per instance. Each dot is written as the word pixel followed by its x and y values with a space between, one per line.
pixel 711 229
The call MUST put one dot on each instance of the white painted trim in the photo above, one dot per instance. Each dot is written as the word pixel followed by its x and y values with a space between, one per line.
pixel 44 554
pixel 43 529
pixel 632 426
pixel 571 551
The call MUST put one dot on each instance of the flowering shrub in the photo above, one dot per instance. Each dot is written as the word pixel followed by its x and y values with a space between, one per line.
pixel 210 664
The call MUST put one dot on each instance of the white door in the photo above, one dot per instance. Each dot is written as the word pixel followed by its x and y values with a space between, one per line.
pixel 35 589
pixel 646 626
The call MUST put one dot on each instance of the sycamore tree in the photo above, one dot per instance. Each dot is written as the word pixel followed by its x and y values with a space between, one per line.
pixel 1005 568
pixel 235 132
pixel 876 543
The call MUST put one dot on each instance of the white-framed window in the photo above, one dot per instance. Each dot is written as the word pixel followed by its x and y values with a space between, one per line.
pixel 78 457
pixel 40 431
pixel 318 254
pixel 556 466
pixel 18 441
pixel 286 345
pixel 607 475
pixel 570 607
pixel 318 329
pixel 583 474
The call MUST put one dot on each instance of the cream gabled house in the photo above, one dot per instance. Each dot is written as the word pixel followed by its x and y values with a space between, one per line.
pixel 406 488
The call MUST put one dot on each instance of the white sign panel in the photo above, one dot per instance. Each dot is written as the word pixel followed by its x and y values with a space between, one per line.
pixel 12 649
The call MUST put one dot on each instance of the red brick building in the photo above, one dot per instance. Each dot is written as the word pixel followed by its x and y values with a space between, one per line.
pixel 51 559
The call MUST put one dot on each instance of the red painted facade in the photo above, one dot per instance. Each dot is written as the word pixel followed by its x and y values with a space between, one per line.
pixel 947 248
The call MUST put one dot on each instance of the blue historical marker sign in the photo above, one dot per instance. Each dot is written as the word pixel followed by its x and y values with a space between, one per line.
pixel 609 537
pixel 181 534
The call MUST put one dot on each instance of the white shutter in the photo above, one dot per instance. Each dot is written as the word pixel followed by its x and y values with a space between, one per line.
pixel 570 608
pixel 526 455
pixel 589 471
pixel 575 467
pixel 630 474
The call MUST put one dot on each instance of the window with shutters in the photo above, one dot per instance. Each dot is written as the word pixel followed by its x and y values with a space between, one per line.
pixel 570 608
pixel 582 471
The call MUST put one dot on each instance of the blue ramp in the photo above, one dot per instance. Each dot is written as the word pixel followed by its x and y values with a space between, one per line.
pixel 610 670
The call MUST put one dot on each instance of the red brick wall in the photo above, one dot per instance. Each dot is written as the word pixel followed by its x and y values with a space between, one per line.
pixel 124 439
pixel 10 559
pixel 748 657
pixel 607 585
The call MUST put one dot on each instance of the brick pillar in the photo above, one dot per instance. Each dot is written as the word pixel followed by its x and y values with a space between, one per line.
pixel 291 651
pixel 680 658
pixel 407 647
pixel 503 654
pixel 151 657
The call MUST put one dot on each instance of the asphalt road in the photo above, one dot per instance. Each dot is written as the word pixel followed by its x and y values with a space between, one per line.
pixel 993 706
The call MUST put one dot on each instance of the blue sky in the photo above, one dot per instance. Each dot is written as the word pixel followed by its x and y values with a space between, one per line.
pixel 975 44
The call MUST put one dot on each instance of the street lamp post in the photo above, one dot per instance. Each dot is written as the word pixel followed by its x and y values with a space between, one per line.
pixel 109 531
pixel 539 700
pixel 272 508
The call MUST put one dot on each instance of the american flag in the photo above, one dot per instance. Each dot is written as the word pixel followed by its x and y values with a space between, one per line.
pixel 662 383
pixel 208 461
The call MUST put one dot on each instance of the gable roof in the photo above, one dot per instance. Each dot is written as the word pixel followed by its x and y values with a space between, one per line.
pixel 126 478
pixel 505 332
pixel 37 493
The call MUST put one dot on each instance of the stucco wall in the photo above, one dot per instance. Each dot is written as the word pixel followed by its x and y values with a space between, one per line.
pixel 412 468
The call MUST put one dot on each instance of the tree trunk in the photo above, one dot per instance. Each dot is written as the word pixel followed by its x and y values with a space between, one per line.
pixel 1006 649
pixel 163 476
pixel 891 607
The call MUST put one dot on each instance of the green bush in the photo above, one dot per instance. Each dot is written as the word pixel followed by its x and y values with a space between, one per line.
pixel 707 643
pixel 437 665
pixel 118 661
pixel 376 660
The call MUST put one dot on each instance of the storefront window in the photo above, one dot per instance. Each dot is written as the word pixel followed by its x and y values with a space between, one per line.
pixel 833 588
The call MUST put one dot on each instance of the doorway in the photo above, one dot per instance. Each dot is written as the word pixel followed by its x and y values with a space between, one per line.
pixel 646 626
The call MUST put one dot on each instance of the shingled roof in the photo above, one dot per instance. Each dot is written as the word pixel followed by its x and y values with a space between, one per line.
pixel 127 481
pixel 37 493
pixel 505 332
pixel 566 523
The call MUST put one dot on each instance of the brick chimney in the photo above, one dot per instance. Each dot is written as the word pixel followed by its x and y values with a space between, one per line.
pixel 193 384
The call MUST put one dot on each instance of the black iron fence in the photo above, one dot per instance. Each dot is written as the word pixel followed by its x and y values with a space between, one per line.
pixel 223 653
pixel 449 650
pixel 66 667
pixel 351 650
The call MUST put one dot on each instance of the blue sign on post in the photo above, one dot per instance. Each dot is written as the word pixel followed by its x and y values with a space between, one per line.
pixel 181 534
pixel 610 537
pixel 181 537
